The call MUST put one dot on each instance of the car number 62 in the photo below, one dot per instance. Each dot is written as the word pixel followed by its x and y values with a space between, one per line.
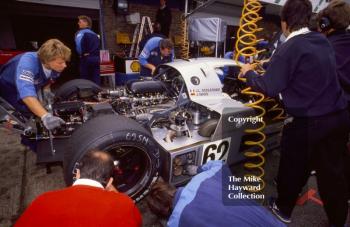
pixel 218 150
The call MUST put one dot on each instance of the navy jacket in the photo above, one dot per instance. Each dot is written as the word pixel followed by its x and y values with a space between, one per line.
pixel 303 70
pixel 163 17
pixel 202 203
pixel 151 55
pixel 340 41
pixel 87 42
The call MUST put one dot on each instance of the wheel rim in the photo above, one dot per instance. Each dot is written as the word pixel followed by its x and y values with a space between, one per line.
pixel 132 168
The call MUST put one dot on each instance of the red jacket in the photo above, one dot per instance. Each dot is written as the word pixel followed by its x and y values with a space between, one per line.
pixel 81 205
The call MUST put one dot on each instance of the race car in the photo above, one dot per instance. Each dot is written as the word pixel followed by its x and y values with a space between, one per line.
pixel 152 127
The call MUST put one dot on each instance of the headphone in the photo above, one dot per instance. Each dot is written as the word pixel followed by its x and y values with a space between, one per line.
pixel 325 24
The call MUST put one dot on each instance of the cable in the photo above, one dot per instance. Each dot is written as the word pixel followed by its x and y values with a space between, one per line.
pixel 276 108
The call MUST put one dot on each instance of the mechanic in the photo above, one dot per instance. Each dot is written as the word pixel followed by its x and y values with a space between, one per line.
pixel 303 71
pixel 156 51
pixel 88 48
pixel 156 33
pixel 25 77
pixel 163 17
pixel 91 201
pixel 333 21
pixel 192 204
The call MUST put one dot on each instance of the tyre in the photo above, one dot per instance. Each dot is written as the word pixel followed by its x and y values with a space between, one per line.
pixel 77 88
pixel 136 154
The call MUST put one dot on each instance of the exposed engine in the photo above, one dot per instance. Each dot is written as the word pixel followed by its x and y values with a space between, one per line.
pixel 153 103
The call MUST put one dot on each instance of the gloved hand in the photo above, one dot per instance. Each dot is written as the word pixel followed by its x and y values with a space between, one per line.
pixel 51 122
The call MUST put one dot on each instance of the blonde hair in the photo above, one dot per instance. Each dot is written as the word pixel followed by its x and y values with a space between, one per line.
pixel 52 49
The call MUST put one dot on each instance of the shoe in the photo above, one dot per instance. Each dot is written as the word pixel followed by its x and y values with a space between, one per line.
pixel 273 207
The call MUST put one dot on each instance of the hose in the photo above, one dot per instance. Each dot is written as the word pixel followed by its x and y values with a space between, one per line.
pixel 280 113
pixel 245 46
pixel 184 37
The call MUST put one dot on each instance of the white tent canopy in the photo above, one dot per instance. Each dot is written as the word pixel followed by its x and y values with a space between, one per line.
pixel 208 29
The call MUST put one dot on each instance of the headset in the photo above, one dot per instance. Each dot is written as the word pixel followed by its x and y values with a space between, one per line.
pixel 325 24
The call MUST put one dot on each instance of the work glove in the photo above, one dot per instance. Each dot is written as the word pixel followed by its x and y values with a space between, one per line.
pixel 51 122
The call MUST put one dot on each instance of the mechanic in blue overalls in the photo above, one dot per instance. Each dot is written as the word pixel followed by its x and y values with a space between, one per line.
pixel 156 51
pixel 88 48
pixel 207 201
pixel 24 77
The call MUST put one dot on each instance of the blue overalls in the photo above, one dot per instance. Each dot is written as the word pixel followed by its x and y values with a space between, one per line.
pixel 151 55
pixel 88 48
pixel 207 193
pixel 21 77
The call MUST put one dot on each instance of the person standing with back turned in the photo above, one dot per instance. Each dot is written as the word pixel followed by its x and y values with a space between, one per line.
pixel 88 48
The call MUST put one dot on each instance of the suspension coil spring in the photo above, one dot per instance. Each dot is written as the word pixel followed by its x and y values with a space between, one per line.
pixel 184 39
pixel 280 113
pixel 245 46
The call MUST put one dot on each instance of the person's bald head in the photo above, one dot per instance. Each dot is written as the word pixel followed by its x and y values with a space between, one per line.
pixel 96 165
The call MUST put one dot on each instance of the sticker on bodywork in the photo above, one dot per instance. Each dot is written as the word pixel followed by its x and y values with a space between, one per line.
pixel 217 150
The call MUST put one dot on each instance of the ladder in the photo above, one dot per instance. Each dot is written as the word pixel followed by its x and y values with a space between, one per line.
pixel 138 34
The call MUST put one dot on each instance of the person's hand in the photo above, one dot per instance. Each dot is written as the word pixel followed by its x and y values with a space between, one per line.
pixel 264 61
pixel 245 68
pixel 111 188
pixel 51 122
pixel 153 69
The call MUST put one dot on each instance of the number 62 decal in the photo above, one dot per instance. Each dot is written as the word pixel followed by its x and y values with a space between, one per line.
pixel 217 150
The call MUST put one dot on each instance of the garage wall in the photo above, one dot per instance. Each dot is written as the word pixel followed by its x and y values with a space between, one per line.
pixel 7 39
pixel 114 23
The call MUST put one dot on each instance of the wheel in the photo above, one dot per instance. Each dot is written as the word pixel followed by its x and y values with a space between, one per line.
pixel 132 147
pixel 77 88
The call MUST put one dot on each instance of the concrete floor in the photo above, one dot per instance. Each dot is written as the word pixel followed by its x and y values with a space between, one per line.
pixel 21 180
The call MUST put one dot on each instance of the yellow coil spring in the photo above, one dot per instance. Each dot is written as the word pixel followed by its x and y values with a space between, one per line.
pixel 245 46
pixel 184 36
pixel 276 108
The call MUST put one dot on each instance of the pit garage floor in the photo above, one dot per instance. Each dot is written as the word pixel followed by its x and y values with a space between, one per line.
pixel 21 180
